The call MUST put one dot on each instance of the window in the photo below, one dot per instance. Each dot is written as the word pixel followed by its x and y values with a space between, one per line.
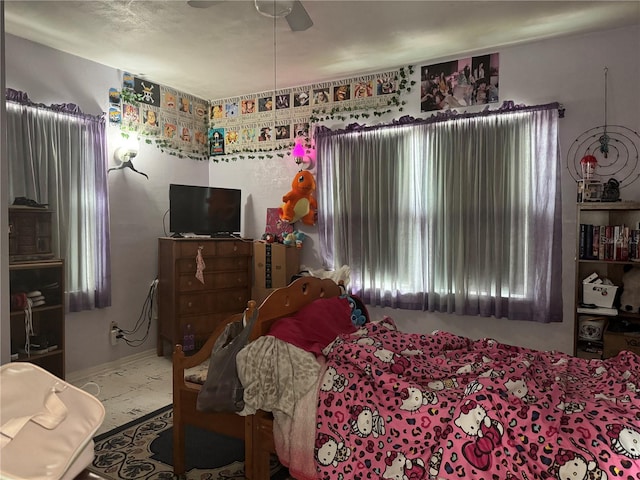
pixel 460 216
pixel 57 156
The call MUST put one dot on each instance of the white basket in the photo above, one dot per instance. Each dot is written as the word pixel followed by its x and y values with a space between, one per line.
pixel 599 294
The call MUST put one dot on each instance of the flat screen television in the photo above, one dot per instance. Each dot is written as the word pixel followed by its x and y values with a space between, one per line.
pixel 204 210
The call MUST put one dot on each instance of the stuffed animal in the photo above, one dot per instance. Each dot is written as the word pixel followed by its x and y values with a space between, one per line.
pixel 294 238
pixel 299 202
pixel 630 297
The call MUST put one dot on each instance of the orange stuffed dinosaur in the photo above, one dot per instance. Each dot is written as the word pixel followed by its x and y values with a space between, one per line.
pixel 299 203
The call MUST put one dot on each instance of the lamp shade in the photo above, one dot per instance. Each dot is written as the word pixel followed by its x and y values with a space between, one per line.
pixel 298 150
pixel 274 8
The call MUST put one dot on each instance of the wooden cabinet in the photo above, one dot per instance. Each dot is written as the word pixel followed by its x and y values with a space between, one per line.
pixel 188 305
pixel 608 257
pixel 29 234
pixel 43 282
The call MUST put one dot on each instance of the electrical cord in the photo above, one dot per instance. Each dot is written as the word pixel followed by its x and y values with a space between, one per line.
pixel 164 223
pixel 146 316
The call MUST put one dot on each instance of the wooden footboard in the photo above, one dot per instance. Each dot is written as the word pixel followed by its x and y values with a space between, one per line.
pixel 185 395
pixel 255 429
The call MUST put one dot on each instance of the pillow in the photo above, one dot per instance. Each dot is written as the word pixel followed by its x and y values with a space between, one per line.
pixel 316 325
pixel 359 313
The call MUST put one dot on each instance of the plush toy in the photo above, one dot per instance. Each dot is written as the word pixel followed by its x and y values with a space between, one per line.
pixel 630 297
pixel 294 238
pixel 299 203
pixel 269 238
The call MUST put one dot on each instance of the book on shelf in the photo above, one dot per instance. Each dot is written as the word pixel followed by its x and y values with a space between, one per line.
pixel 609 242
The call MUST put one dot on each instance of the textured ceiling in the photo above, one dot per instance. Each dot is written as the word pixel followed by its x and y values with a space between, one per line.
pixel 229 49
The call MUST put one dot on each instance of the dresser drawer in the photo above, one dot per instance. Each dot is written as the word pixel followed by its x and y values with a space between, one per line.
pixel 189 249
pixel 213 280
pixel 230 300
pixel 238 248
pixel 213 264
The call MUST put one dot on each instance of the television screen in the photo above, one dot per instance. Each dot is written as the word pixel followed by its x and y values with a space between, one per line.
pixel 204 210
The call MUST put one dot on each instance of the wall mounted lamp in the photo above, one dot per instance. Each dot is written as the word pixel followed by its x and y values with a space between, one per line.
pixel 124 156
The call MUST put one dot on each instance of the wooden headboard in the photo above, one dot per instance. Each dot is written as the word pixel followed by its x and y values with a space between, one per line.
pixel 287 300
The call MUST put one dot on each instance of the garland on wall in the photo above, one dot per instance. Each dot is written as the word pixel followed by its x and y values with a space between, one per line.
pixel 175 122
pixel 268 124
pixel 257 125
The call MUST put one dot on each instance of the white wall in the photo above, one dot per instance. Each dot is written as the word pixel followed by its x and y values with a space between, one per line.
pixel 5 324
pixel 569 71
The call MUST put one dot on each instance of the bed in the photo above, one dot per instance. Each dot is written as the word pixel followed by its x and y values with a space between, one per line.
pixel 391 405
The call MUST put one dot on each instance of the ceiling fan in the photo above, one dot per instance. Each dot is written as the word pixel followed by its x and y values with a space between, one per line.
pixel 293 10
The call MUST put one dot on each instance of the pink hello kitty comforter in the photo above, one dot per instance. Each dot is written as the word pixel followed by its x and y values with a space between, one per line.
pixel 405 406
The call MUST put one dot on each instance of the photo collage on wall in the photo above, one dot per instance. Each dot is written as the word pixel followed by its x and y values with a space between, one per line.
pixel 459 83
pixel 274 120
pixel 179 119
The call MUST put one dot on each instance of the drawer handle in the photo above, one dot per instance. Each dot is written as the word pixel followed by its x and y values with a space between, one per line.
pixel 235 248
pixel 189 283
pixel 189 304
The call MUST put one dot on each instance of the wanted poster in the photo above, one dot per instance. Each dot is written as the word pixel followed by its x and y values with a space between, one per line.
pixel 248 135
pixel 168 98
pixel 300 128
pixel 283 104
pixel 169 123
pixel 216 142
pixel 232 139
pixel 362 89
pixel 283 133
pixel 322 96
pixel 301 100
pixel 150 120
pixel 248 108
pixel 185 133
pixel 386 87
pixel 200 140
pixel 266 136
pixel 265 106
pixel 199 111
pixel 130 117
pixel 185 105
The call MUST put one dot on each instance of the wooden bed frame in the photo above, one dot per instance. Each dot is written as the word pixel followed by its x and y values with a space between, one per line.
pixel 257 429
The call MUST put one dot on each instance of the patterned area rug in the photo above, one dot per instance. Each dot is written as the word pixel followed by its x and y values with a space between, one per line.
pixel 142 450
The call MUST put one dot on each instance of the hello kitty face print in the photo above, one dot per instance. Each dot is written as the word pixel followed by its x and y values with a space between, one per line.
pixel 487 433
pixel 413 398
pixel 329 451
pixel 572 465
pixel 518 388
pixel 399 467
pixel 443 384
pixel 571 407
pixel 625 440
pixel 365 422
pixel 333 381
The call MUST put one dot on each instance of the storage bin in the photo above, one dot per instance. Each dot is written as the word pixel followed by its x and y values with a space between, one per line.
pixel 626 339
pixel 599 294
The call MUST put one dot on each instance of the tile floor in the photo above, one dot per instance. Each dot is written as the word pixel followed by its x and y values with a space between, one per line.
pixel 131 390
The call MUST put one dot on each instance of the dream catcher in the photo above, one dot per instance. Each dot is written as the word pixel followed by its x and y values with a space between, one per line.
pixel 604 159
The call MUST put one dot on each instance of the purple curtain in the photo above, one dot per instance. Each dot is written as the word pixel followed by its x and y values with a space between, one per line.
pixel 455 213
pixel 58 156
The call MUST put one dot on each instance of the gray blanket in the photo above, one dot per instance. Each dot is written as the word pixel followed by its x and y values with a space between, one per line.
pixel 275 375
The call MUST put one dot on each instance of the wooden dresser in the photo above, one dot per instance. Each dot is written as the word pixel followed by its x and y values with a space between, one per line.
pixel 185 304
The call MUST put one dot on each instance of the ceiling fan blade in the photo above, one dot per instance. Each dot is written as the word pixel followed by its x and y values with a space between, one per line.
pixel 203 3
pixel 299 20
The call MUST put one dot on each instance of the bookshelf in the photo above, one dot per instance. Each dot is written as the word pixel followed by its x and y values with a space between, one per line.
pixel 45 277
pixel 608 242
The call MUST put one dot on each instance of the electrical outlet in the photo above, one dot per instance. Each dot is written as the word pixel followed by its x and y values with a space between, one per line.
pixel 113 333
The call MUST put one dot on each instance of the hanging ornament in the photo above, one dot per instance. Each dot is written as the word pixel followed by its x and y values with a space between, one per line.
pixel 613 149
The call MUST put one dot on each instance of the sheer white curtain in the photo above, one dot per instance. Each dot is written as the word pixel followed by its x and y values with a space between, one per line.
pixel 460 216
pixel 58 156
